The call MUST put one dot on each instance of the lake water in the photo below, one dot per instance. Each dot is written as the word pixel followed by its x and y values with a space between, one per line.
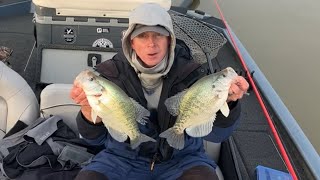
pixel 283 38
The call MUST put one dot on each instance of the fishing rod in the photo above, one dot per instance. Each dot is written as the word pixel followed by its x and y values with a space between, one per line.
pixel 255 89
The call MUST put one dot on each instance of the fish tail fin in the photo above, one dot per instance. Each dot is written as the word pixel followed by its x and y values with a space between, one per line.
pixel 174 140
pixel 140 139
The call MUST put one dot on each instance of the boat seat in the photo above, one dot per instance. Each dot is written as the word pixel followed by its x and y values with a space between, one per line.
pixel 17 100
pixel 55 100
pixel 213 151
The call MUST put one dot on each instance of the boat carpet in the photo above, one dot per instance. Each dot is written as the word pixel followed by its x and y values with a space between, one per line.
pixel 17 33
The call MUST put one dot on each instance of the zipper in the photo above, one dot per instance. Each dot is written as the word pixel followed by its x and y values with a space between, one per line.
pixel 154 158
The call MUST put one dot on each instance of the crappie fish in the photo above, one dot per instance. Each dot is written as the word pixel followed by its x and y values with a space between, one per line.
pixel 196 107
pixel 118 111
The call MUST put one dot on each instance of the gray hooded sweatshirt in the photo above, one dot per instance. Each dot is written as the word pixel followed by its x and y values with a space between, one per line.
pixel 150 14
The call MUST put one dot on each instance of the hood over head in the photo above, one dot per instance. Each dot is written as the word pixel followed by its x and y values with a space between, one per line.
pixel 149 17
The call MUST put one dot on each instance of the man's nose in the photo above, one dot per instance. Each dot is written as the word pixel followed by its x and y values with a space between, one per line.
pixel 151 41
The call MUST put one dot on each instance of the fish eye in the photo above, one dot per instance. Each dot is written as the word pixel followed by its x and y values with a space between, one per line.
pixel 91 79
pixel 224 75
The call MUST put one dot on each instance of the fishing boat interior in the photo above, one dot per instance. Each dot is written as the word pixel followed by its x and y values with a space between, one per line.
pixel 45 44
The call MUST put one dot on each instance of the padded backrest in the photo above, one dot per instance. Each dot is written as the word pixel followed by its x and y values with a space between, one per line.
pixel 17 100
pixel 55 100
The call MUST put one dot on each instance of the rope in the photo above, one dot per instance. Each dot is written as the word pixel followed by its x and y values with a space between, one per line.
pixel 264 109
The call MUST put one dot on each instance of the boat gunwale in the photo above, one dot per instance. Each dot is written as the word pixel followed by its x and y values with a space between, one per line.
pixel 295 132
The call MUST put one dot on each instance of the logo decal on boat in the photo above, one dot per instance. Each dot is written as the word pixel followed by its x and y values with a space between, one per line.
pixel 69 35
pixel 102 30
pixel 102 42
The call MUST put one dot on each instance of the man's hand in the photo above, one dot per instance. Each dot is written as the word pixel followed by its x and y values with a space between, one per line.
pixel 79 97
pixel 238 87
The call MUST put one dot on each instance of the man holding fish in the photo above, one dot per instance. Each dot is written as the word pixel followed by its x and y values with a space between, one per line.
pixel 152 106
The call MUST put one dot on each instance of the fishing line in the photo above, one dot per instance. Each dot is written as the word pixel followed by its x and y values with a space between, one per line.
pixel 264 109
pixel 59 105
pixel 54 106
pixel 25 68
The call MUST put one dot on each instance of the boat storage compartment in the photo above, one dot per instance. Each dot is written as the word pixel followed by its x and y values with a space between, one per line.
pixel 78 34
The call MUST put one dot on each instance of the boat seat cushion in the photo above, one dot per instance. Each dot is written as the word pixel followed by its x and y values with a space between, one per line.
pixel 55 100
pixel 17 100
pixel 212 149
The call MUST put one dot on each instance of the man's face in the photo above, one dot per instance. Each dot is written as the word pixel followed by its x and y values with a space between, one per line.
pixel 151 47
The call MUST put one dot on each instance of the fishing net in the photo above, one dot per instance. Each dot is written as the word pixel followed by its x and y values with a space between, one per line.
pixel 197 37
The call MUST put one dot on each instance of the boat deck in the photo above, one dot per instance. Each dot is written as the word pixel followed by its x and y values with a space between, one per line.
pixel 16 32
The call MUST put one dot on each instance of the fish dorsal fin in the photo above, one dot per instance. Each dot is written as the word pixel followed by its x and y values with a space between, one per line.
pixel 225 109
pixel 201 129
pixel 173 103
pixel 118 136
pixel 141 113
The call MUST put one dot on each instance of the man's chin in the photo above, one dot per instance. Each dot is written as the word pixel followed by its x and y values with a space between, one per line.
pixel 149 65
pixel 151 62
